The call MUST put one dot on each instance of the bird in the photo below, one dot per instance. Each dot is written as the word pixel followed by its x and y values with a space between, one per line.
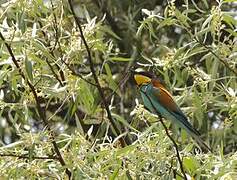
pixel 158 100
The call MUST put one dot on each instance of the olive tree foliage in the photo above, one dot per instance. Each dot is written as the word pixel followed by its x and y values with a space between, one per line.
pixel 58 116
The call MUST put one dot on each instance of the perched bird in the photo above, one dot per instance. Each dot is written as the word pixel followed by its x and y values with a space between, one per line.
pixel 158 100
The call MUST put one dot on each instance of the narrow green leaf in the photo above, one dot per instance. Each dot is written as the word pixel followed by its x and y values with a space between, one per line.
pixel 231 32
pixel 122 59
pixel 86 98
pixel 15 144
pixel 166 22
pixel 214 69
pixel 29 69
pixel 198 111
pixel 40 46
pixel 230 20
pixel 182 17
pixel 112 84
pixel 124 122
pixel 187 11
pixel 3 74
pixel 108 71
pixel 191 163
pixel 226 1
pixel 203 31
pixel 110 32
pixel 179 52
pixel 206 3
pixel 124 151
pixel 206 22
pixel 116 171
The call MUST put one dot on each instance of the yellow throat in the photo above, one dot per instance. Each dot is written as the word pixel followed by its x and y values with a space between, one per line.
pixel 141 79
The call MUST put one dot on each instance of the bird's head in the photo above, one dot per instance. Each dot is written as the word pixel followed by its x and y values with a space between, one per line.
pixel 142 78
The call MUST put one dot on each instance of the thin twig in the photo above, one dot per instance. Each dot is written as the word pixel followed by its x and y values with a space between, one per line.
pixel 40 109
pixel 62 80
pixel 170 137
pixel 214 54
pixel 175 145
pixel 57 42
pixel 209 49
pixel 77 74
pixel 123 144
pixel 55 25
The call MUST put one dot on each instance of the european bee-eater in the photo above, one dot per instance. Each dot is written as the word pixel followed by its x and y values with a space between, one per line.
pixel 158 100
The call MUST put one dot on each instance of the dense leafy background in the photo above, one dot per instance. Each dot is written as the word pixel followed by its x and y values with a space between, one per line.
pixel 190 44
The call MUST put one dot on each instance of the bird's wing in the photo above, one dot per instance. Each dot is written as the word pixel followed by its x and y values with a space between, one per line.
pixel 165 99
pixel 159 96
pixel 160 99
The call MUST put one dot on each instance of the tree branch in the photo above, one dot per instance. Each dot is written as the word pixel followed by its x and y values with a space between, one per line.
pixel 123 144
pixel 209 49
pixel 169 136
pixel 40 109
pixel 62 80
pixel 214 54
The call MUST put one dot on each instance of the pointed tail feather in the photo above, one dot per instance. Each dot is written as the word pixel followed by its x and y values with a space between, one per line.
pixel 201 143
pixel 182 119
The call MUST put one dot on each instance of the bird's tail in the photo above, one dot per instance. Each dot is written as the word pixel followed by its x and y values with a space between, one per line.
pixel 183 121
pixel 201 143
